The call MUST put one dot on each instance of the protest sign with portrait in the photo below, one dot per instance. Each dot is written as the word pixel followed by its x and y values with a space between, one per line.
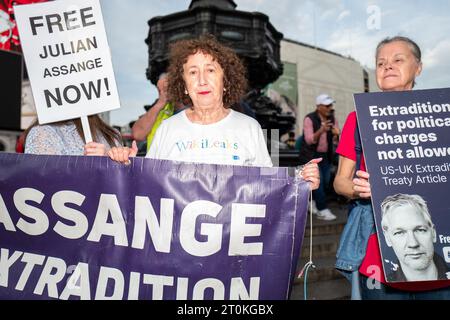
pixel 406 143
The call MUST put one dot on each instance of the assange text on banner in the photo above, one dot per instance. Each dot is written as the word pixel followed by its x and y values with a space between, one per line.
pixel 90 228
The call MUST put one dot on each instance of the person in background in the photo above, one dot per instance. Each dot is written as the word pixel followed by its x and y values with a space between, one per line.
pixel 210 78
pixel 66 138
pixel 145 127
pixel 319 130
pixel 398 63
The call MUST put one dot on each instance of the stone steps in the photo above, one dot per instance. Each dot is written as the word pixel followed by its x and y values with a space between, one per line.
pixel 324 270
pixel 337 289
pixel 326 229
pixel 326 234
pixel 324 282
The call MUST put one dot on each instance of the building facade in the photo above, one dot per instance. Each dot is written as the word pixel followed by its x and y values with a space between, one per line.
pixel 320 71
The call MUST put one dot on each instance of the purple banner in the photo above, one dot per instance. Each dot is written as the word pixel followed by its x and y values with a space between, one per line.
pixel 90 228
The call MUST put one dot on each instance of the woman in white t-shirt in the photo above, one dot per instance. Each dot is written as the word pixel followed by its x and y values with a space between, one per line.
pixel 210 78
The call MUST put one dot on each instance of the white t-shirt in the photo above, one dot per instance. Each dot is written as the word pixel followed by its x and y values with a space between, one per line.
pixel 237 139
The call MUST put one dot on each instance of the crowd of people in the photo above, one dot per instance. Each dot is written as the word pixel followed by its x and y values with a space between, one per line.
pixel 196 94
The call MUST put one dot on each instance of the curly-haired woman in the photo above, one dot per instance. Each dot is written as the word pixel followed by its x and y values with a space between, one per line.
pixel 209 78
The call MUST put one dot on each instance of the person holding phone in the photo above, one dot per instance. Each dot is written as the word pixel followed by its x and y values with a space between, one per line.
pixel 320 129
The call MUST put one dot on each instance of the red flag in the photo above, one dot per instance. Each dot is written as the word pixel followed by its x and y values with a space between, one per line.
pixel 9 36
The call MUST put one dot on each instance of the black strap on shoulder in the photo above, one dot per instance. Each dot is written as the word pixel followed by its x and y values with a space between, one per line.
pixel 358 147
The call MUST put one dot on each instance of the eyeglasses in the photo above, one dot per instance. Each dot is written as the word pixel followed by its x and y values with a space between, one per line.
pixel 328 106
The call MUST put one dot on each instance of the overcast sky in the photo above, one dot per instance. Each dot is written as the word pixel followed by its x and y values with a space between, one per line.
pixel 348 27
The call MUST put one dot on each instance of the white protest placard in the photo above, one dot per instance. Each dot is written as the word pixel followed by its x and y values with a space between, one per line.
pixel 68 59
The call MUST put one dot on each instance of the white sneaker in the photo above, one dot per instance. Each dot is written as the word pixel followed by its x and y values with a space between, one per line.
pixel 314 207
pixel 325 214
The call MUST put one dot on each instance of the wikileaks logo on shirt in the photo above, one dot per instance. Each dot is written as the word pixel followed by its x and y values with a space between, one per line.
pixel 206 143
